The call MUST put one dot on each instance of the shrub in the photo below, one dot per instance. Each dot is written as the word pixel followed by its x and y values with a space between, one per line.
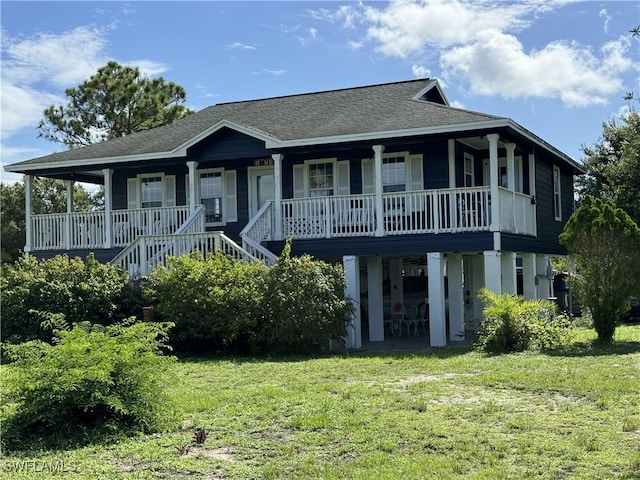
pixel 92 381
pixel 304 305
pixel 79 290
pixel 214 302
pixel 513 324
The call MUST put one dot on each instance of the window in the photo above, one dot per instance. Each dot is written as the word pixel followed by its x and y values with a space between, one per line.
pixel 469 180
pixel 211 196
pixel 557 197
pixel 393 174
pixel 151 192
pixel 321 179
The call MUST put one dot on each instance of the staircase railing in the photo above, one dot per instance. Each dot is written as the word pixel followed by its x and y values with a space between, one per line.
pixel 258 230
pixel 149 251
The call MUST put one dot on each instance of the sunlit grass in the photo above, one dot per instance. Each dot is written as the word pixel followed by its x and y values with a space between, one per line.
pixel 441 414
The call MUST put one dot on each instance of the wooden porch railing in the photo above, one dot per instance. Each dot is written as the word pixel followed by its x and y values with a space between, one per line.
pixel 86 230
pixel 425 211
pixel 149 251
pixel 517 213
pixel 258 230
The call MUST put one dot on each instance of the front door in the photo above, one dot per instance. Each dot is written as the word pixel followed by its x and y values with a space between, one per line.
pixel 261 188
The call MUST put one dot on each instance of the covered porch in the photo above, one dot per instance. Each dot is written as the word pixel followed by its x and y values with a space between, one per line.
pixel 443 284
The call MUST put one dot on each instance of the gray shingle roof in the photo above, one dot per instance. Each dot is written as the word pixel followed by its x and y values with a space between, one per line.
pixel 391 107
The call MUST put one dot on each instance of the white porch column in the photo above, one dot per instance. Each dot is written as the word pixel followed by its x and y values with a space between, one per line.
pixel 108 226
pixel 494 181
pixel 374 299
pixel 352 290
pixel 67 224
pixel 277 194
pixel 532 189
pixel 451 149
pixel 456 297
pixel 437 312
pixel 396 283
pixel 377 150
pixel 508 269
pixel 544 283
pixel 529 276
pixel 28 209
pixel 492 271
pixel 193 177
pixel 511 166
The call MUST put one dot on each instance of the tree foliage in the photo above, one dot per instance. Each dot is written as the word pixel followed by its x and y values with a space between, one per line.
pixel 49 196
pixel 59 289
pixel 613 164
pixel 214 302
pixel 92 381
pixel 116 101
pixel 606 244
pixel 513 324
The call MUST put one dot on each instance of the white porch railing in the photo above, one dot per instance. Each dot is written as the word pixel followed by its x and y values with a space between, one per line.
pixel 517 213
pixel 129 224
pixel 86 230
pixel 149 251
pixel 258 230
pixel 425 211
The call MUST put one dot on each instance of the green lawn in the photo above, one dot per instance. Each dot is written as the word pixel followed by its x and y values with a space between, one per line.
pixel 441 414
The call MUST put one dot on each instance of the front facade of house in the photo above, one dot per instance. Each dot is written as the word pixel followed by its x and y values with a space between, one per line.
pixel 390 180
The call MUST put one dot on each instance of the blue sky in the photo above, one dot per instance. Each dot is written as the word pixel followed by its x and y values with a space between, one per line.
pixel 557 67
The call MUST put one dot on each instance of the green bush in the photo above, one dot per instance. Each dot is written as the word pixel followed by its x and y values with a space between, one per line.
pixel 513 324
pixel 31 290
pixel 92 381
pixel 214 302
pixel 305 305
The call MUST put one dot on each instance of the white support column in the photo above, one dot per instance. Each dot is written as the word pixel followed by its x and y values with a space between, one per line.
pixel 492 271
pixel 451 149
pixel 529 276
pixel 374 299
pixel 508 268
pixel 67 219
pixel 511 166
pixel 193 192
pixel 28 209
pixel 277 194
pixel 494 181
pixel 397 285
pixel 544 283
pixel 532 189
pixel 108 227
pixel 456 297
pixel 377 168
pixel 352 290
pixel 437 311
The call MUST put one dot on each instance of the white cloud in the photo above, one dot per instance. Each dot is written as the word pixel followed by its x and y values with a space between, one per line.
pixel 149 68
pixel 241 46
pixel 353 45
pixel 420 71
pixel 604 14
pixel 496 64
pixel 476 43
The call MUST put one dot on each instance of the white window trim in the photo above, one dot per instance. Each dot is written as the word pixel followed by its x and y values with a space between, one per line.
pixel 557 190
pixel 224 193
pixel 405 156
pixel 140 176
pixel 315 161
pixel 465 157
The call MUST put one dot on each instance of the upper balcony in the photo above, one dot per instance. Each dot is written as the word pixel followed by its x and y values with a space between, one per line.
pixel 452 210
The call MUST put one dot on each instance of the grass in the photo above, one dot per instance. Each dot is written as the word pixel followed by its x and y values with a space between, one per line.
pixel 439 414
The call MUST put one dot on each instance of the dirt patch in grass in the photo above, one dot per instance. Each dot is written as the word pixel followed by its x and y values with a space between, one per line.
pixel 220 453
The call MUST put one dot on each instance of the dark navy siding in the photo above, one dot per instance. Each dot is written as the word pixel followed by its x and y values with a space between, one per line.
pixel 103 255
pixel 436 164
pixel 334 249
pixel 525 243
pixel 227 144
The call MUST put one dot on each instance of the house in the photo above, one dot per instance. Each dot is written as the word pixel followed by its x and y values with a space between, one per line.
pixel 388 179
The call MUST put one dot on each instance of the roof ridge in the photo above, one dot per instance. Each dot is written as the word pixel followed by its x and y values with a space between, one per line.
pixel 343 89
